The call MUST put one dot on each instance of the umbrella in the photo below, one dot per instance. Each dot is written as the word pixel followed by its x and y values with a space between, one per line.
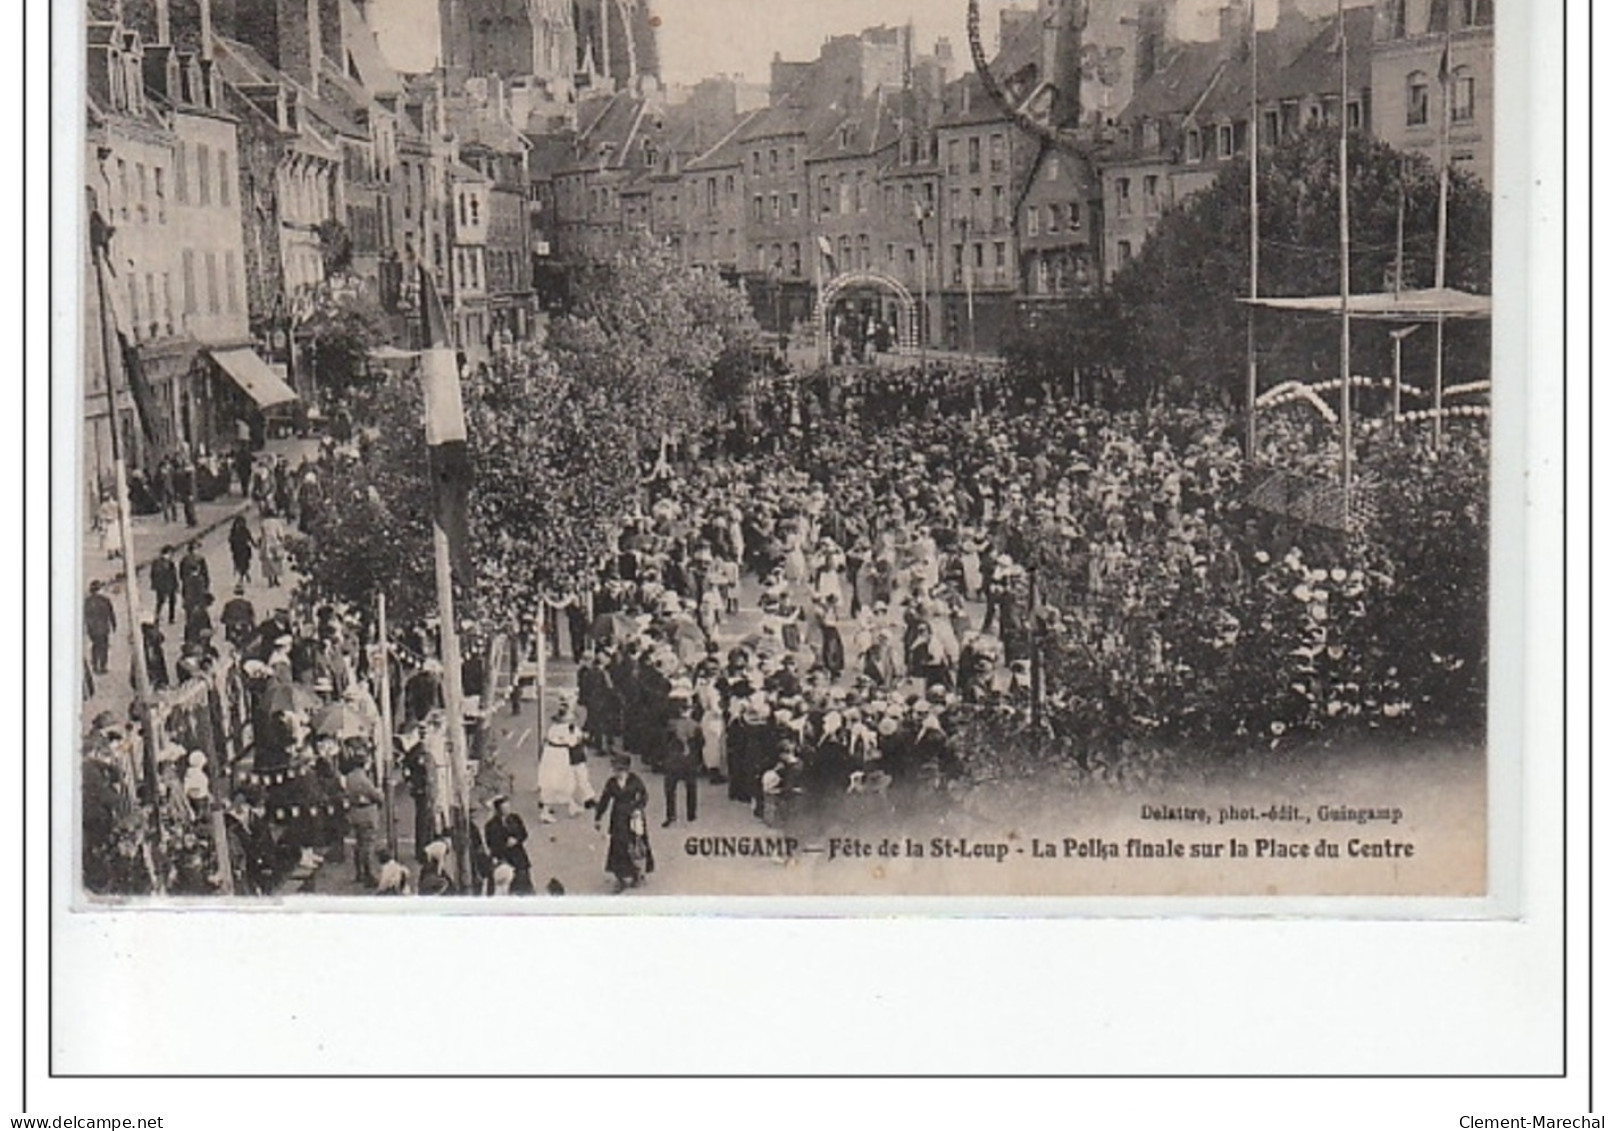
pixel 688 640
pixel 342 720
pixel 763 643
pixel 613 626
pixel 281 696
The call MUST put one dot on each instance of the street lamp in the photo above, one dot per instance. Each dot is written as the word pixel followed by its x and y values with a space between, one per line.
pixel 1397 338
pixel 921 214
pixel 775 277
pixel 969 270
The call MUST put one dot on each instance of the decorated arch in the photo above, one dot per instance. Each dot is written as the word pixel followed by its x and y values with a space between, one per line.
pixel 908 330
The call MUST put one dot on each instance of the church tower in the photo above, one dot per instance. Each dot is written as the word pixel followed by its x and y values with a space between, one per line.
pixel 620 38
pixel 509 38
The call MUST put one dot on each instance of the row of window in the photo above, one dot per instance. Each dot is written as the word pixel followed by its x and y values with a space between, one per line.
pixel 1224 140
pixel 1152 195
pixel 1460 97
pixel 468 269
pixel 774 160
pixel 143 192
pixel 1441 16
pixel 213 290
pixel 997 155
pixel 786 259
pixel 1054 218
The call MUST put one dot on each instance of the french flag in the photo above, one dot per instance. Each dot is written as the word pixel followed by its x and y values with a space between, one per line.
pixel 450 458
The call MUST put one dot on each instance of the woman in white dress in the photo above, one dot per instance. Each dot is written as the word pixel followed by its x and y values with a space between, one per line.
pixel 560 778
pixel 710 703
pixel 107 521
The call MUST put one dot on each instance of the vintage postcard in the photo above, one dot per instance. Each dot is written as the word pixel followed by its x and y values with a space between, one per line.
pixel 582 450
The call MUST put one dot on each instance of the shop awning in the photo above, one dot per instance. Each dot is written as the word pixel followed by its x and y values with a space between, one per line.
pixel 254 377
pixel 1424 305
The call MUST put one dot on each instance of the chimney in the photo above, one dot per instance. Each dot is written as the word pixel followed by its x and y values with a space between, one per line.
pixel 1151 41
pixel 1293 31
pixel 331 38
pixel 148 17
pixel 191 22
pixel 1232 22
pixel 286 33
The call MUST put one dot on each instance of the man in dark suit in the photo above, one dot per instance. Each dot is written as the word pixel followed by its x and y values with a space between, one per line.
pixel 681 761
pixel 165 582
pixel 239 618
pixel 506 837
pixel 99 622
pixel 194 581
pixel 183 486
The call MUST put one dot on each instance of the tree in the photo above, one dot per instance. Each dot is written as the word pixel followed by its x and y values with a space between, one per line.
pixel 1178 300
pixel 671 344
pixel 336 248
pixel 556 435
pixel 373 534
pixel 555 464
pixel 347 322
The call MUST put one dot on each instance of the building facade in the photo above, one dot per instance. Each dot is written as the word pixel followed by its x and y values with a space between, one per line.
pixel 1411 40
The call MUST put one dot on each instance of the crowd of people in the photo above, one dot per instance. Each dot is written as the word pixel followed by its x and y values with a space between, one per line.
pixel 803 615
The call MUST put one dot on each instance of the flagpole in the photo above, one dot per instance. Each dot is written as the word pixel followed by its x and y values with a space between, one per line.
pixel 924 298
pixel 1254 142
pixel 111 362
pixel 454 707
pixel 445 428
pixel 818 299
pixel 1441 224
pixel 384 755
pixel 1345 268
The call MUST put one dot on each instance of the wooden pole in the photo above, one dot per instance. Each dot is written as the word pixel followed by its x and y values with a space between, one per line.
pixel 111 361
pixel 1441 225
pixel 925 304
pixel 454 705
pixel 543 645
pixel 1253 144
pixel 1345 265
pixel 384 756
pixel 221 849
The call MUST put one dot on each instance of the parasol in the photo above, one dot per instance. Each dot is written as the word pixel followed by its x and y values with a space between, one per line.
pixel 688 640
pixel 282 696
pixel 613 626
pixel 342 720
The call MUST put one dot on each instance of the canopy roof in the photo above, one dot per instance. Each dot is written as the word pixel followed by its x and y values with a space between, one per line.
pixel 1408 306
pixel 254 377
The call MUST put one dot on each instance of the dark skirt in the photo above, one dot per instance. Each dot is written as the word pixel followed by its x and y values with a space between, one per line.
pixel 628 855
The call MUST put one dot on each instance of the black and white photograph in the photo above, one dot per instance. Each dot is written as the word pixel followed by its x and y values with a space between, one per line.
pixel 554 453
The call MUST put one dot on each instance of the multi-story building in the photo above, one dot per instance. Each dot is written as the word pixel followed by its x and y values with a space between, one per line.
pixel 979 147
pixel 701 210
pixel 470 193
pixel 856 208
pixel 1411 40
pixel 773 253
pixel 1191 119
pixel 162 169
pixel 500 154
pixel 547 155
pixel 291 171
pixel 1059 228
pixel 911 195
pixel 615 141
pixel 129 173
pixel 420 200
